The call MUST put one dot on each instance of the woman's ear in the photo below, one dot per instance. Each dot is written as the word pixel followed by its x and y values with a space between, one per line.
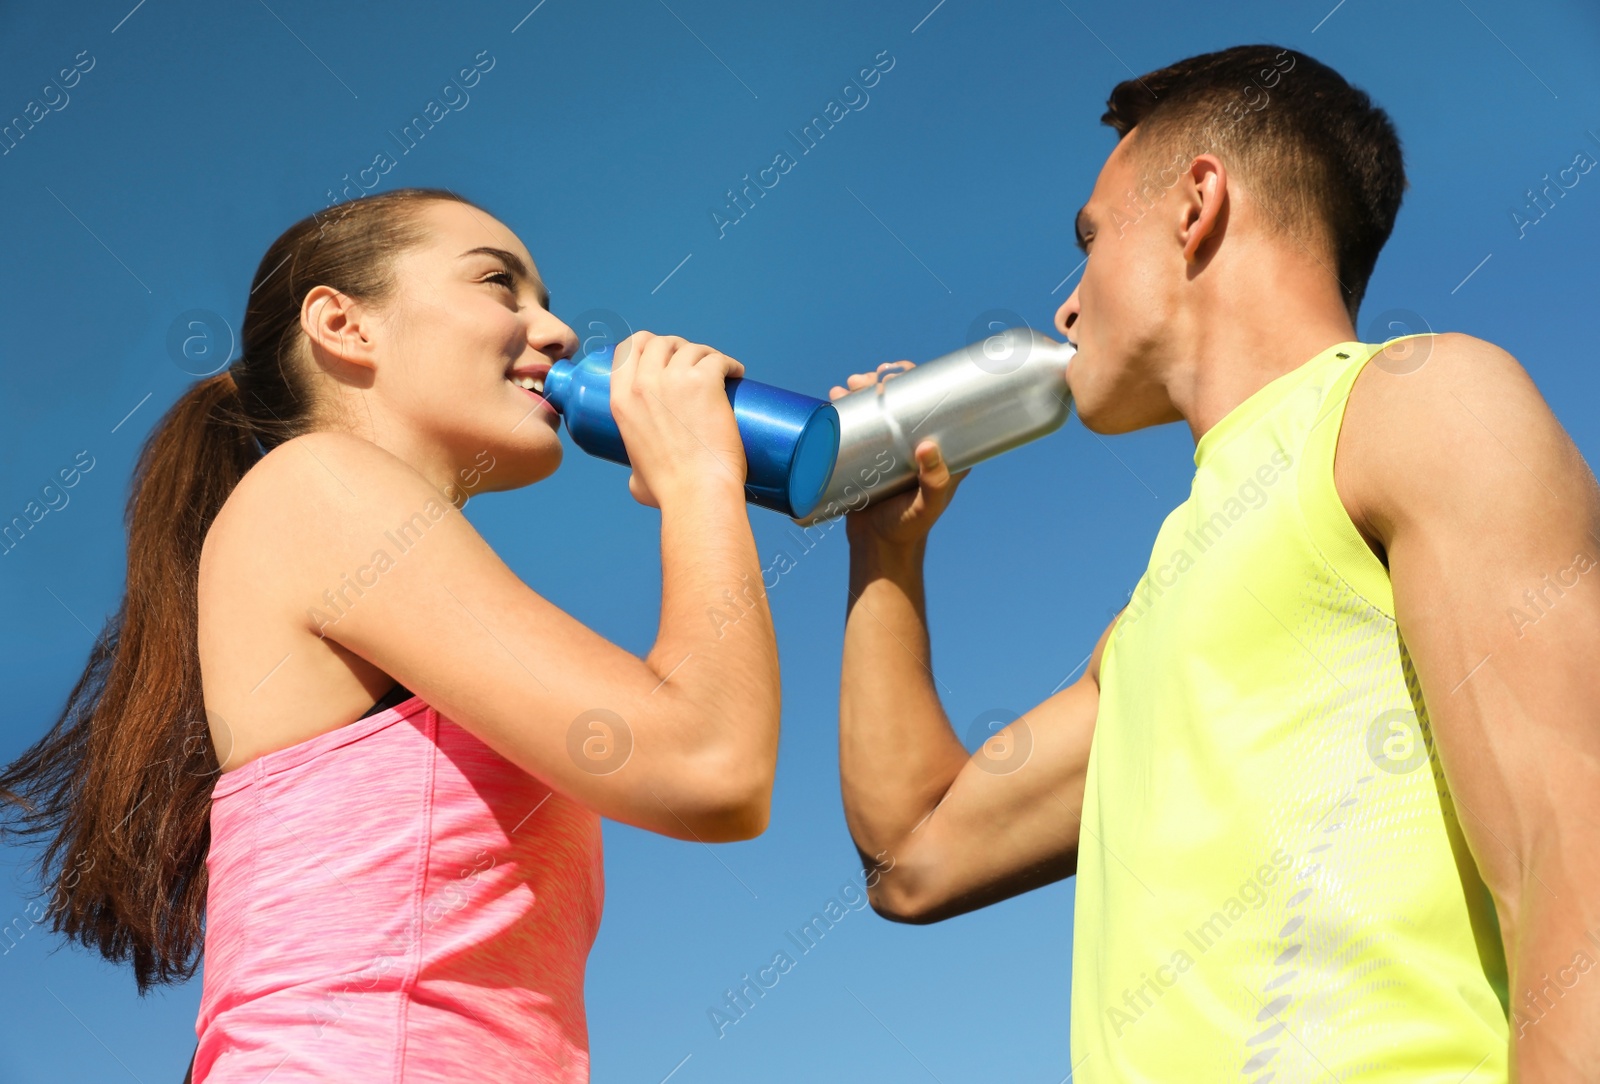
pixel 338 325
pixel 1207 189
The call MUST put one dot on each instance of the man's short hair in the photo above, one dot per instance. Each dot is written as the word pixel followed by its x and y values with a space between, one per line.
pixel 1319 157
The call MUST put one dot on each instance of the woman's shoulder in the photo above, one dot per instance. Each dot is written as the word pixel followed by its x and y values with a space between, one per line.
pixel 306 488
pixel 304 474
pixel 311 460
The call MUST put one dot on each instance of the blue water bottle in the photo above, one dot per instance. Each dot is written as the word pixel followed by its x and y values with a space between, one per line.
pixel 790 440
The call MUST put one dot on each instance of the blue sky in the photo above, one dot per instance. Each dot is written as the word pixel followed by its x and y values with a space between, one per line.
pixel 606 134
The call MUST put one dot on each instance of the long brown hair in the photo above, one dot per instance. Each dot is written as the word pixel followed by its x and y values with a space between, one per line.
pixel 121 784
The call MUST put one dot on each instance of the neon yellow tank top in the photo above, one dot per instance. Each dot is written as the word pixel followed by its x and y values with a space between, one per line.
pixel 1272 884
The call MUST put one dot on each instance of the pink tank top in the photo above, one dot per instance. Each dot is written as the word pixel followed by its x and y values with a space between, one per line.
pixel 394 901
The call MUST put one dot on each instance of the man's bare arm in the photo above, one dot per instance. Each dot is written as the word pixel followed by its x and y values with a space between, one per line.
pixel 1490 521
pixel 946 833
pixel 950 832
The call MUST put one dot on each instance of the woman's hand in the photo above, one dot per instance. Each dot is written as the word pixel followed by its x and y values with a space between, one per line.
pixel 670 401
pixel 904 519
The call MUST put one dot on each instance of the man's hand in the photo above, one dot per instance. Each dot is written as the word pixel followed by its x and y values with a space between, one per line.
pixel 904 519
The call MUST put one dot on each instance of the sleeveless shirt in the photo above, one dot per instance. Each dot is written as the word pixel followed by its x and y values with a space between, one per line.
pixel 394 901
pixel 1272 880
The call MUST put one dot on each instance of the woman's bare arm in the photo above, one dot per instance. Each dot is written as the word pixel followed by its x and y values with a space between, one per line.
pixel 682 742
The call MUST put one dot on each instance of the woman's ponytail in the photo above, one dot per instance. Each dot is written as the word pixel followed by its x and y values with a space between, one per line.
pixel 121 785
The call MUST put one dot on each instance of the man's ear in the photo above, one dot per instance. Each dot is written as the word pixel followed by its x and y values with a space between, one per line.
pixel 1206 189
pixel 338 325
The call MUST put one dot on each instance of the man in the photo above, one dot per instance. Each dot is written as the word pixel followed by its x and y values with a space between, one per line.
pixel 1330 782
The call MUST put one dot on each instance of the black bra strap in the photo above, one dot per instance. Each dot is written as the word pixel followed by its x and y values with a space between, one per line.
pixel 398 694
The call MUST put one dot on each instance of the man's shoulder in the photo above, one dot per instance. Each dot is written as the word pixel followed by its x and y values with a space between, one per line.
pixel 1426 418
pixel 1410 373
pixel 1417 393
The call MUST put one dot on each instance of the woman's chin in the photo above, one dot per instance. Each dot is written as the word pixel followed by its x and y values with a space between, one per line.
pixel 538 466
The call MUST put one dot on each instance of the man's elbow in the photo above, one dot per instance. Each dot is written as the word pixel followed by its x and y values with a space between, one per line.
pixel 902 910
pixel 900 895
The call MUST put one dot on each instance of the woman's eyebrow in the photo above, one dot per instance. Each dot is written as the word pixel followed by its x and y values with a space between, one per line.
pixel 515 265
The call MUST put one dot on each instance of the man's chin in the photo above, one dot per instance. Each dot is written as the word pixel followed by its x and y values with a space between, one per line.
pixel 1096 425
pixel 1100 419
pixel 1090 413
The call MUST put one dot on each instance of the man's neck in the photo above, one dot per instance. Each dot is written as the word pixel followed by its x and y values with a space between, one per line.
pixel 1238 348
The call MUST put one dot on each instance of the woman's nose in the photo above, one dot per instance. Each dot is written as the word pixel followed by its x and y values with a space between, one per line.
pixel 549 335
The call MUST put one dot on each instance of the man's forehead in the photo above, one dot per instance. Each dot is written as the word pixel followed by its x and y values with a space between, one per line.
pixel 1120 160
pixel 1105 182
pixel 1109 187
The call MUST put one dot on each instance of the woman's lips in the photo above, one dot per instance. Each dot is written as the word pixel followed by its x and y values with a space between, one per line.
pixel 542 401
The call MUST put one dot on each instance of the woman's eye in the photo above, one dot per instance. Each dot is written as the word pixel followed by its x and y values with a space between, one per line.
pixel 504 278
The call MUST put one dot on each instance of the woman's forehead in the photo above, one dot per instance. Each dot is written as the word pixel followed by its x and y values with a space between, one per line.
pixel 459 227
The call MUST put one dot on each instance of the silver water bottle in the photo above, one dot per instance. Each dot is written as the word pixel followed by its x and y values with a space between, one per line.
pixel 986 398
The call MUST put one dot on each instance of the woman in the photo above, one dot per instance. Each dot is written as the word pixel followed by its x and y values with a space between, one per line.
pixel 407 894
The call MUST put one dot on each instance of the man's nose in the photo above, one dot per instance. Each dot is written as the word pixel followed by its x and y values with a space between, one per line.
pixel 1067 314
